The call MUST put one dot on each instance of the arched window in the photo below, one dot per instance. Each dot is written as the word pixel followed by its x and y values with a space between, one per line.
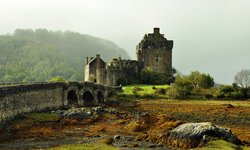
pixel 157 58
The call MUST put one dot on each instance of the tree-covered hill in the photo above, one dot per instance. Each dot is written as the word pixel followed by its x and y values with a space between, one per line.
pixel 39 55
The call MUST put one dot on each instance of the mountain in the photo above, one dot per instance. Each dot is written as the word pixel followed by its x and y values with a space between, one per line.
pixel 38 55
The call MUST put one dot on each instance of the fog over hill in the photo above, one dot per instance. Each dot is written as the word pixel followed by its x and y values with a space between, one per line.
pixel 211 36
pixel 38 55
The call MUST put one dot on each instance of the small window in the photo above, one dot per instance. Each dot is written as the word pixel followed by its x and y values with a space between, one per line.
pixel 157 58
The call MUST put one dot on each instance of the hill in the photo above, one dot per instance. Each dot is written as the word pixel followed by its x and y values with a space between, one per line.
pixel 38 55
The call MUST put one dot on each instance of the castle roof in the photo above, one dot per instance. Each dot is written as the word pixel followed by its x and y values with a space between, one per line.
pixel 155 40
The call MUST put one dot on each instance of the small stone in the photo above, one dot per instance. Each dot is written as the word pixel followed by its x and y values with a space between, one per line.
pixel 130 139
pixel 135 145
pixel 160 145
pixel 124 145
pixel 152 146
pixel 117 137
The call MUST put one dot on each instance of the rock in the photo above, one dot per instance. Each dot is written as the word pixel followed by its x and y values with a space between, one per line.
pixel 107 141
pixel 228 105
pixel 191 135
pixel 80 112
pixel 98 110
pixel 124 145
pixel 152 146
pixel 135 145
pixel 117 137
pixel 130 139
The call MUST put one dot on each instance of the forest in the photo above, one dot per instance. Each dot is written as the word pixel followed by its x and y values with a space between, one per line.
pixel 38 55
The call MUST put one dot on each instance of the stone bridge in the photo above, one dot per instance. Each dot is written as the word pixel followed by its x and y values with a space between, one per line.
pixel 16 99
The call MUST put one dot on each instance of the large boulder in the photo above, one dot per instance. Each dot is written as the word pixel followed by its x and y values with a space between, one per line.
pixel 192 135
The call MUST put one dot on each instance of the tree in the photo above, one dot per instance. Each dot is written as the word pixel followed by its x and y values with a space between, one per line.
pixel 201 80
pixel 182 88
pixel 242 79
pixel 190 85
pixel 148 76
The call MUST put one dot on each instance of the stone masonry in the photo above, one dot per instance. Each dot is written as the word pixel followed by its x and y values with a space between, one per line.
pixel 154 52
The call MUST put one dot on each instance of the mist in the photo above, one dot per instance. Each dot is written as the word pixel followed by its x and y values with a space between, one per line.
pixel 210 36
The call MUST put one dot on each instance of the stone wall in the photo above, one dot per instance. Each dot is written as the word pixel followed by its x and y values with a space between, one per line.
pixel 159 60
pixel 112 76
pixel 18 99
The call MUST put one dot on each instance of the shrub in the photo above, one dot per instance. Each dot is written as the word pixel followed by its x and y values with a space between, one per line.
pixel 161 91
pixel 226 89
pixel 229 92
pixel 149 96
pixel 209 96
pixel 181 89
pixel 57 79
pixel 136 89
pixel 122 81
pixel 147 76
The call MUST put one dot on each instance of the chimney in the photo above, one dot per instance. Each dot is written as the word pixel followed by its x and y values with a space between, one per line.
pixel 87 60
pixel 156 30
pixel 97 55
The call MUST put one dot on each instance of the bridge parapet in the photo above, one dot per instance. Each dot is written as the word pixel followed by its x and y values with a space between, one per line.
pixel 20 88
pixel 21 98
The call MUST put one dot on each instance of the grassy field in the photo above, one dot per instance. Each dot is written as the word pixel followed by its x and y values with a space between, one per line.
pixel 146 89
pixel 92 146
pixel 231 114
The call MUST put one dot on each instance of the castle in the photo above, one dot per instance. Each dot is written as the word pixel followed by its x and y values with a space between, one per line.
pixel 153 52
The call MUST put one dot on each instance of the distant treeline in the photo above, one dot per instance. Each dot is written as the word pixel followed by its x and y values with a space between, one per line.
pixel 40 55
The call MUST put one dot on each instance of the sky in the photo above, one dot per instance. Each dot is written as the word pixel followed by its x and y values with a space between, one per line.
pixel 211 36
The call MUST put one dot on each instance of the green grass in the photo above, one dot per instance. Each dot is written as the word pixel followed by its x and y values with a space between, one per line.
pixel 147 89
pixel 222 145
pixel 42 117
pixel 36 118
pixel 237 103
pixel 91 146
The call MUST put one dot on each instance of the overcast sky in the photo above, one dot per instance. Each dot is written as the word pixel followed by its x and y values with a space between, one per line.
pixel 212 36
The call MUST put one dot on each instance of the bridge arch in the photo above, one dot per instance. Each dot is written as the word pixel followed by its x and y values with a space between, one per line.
pixel 88 98
pixel 72 97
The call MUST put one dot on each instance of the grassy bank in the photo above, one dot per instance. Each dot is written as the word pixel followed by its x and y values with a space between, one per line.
pixel 144 91
pixel 91 146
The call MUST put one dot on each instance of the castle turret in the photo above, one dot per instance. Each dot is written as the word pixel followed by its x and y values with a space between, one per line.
pixel 156 30
pixel 86 60
pixel 156 52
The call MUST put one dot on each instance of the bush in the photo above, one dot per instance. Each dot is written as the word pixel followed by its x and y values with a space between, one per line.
pixel 181 89
pixel 147 76
pixel 122 81
pixel 57 79
pixel 161 91
pixel 136 89
pixel 149 96
pixel 209 96
pixel 226 89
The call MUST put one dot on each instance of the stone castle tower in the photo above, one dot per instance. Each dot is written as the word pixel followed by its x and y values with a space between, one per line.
pixel 156 52
pixel 153 52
